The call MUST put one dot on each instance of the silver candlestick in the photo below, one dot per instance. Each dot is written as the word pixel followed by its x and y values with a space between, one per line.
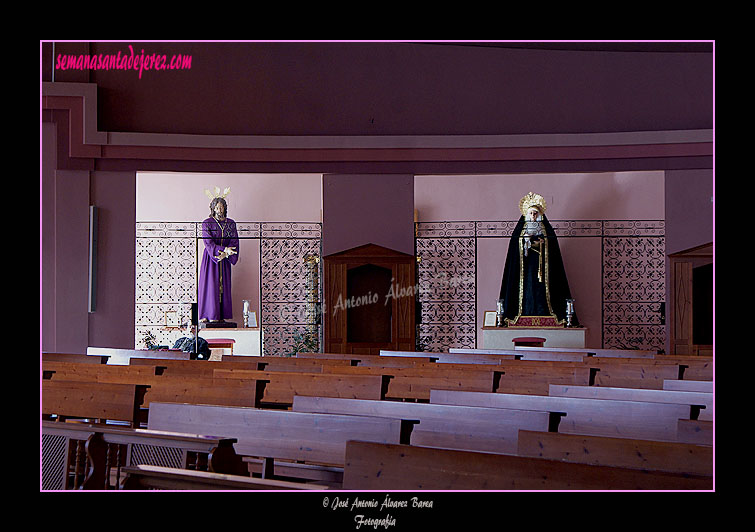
pixel 246 313
pixel 499 313
pixel 569 312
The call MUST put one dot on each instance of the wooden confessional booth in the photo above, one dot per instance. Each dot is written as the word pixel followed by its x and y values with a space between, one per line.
pixel 369 293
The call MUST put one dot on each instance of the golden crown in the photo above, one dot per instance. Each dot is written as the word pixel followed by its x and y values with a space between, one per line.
pixel 532 200
pixel 217 193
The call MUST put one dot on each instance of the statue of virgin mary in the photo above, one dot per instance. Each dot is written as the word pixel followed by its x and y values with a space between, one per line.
pixel 534 280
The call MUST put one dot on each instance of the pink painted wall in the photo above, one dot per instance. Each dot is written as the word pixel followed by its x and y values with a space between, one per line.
pixel 180 197
pixel 570 196
pixel 364 209
pixel 600 196
pixel 112 323
pixel 64 218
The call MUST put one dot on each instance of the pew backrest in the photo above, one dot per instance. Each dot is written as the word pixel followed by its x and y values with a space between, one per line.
pixel 74 358
pixel 695 431
pixel 599 417
pixel 375 466
pixel 688 386
pixel 319 438
pixel 460 427
pixel 701 400
pixel 92 400
pixel 102 449
pixel 646 455
pixel 146 477
pixel 123 356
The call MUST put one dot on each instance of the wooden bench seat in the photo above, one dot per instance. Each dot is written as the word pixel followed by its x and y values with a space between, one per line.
pixel 525 379
pixel 165 386
pixel 649 455
pixel 87 456
pixel 700 368
pixel 146 477
pixel 376 466
pixel 124 356
pixel 92 400
pixel 703 401
pixel 414 384
pixel 210 382
pixel 601 352
pixel 598 417
pixel 281 387
pixel 365 360
pixel 274 435
pixel 634 375
pixel 457 427
pixel 195 367
pixel 689 386
pixel 695 431
pixel 78 358
pixel 448 357
pixel 529 353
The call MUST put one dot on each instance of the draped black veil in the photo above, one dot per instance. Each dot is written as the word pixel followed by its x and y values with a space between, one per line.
pixel 558 286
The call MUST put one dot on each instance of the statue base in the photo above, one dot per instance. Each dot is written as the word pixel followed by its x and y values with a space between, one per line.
pixel 530 322
pixel 220 325
pixel 503 337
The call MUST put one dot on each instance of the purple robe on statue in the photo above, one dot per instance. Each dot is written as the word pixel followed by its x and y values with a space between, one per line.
pixel 215 275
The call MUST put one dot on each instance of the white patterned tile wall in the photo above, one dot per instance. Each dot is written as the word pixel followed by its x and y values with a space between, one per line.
pixel 167 272
pixel 633 279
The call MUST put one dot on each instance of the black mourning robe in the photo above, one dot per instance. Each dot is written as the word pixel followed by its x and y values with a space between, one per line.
pixel 522 292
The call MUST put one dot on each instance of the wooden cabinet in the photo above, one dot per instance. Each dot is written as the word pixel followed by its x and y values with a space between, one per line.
pixel 370 293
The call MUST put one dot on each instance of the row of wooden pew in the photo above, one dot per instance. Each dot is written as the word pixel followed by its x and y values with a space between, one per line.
pixel 358 422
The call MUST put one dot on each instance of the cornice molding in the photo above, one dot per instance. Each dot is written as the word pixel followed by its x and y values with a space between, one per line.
pixel 86 141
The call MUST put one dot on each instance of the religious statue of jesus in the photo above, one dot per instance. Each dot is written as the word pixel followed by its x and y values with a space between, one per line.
pixel 221 251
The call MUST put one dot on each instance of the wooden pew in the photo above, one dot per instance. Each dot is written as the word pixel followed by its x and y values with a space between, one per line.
pixel 78 358
pixel 165 386
pixel 218 385
pixel 535 379
pixel 281 438
pixel 281 387
pixel 593 351
pixel 456 427
pixel 414 384
pixel 310 365
pixel 697 368
pixel 449 357
pixel 101 372
pixel 377 466
pixel 695 431
pixel 634 373
pixel 701 400
pixel 92 400
pixel 647 455
pixel 123 356
pixel 86 456
pixel 597 417
pixel 145 477
pixel 194 367
pixel 532 353
pixel 689 386
pixel 370 360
